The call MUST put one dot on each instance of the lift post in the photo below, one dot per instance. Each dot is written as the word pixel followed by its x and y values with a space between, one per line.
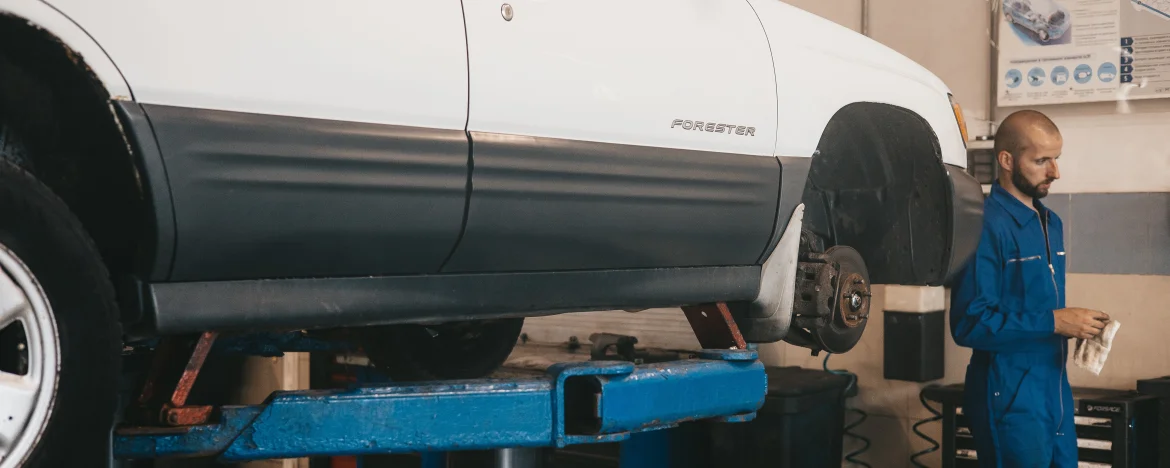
pixel 572 403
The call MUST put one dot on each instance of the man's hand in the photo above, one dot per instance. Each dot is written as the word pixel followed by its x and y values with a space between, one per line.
pixel 1075 322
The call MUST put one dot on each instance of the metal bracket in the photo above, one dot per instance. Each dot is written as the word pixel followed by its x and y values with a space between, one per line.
pixel 714 326
pixel 175 411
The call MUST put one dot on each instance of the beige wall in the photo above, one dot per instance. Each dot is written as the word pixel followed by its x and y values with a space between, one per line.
pixel 1113 147
pixel 264 375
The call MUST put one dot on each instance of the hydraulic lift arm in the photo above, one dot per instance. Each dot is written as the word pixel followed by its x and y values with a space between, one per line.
pixel 573 403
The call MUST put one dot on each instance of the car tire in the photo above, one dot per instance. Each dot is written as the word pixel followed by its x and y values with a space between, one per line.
pixel 65 333
pixel 457 350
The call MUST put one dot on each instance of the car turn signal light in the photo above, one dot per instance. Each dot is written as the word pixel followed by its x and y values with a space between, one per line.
pixel 959 119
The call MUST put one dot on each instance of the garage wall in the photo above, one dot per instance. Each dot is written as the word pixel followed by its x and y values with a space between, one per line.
pixel 264 375
pixel 1114 195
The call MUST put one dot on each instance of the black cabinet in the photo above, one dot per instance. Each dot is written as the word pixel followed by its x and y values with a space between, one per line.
pixel 1115 428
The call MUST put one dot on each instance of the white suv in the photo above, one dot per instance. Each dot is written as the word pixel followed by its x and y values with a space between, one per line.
pixel 429 173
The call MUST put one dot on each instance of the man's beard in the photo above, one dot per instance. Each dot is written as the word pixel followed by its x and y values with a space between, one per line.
pixel 1026 188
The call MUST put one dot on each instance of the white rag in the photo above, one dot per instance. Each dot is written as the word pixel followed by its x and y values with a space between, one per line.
pixel 1090 354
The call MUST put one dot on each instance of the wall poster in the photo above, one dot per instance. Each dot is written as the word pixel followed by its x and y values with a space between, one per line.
pixel 1066 51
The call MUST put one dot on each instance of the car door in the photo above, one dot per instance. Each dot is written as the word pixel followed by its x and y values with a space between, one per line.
pixel 300 138
pixel 616 134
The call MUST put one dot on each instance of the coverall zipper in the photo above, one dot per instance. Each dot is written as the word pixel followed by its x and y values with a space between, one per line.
pixel 1056 291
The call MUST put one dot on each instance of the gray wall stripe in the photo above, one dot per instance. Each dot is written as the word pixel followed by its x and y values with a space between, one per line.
pixel 1115 233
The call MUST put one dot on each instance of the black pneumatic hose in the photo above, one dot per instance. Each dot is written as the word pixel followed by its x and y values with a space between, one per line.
pixel 851 456
pixel 937 417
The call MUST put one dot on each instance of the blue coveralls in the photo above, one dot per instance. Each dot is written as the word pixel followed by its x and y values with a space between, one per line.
pixel 1017 395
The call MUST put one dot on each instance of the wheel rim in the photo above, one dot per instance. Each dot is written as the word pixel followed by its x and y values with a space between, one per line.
pixel 27 383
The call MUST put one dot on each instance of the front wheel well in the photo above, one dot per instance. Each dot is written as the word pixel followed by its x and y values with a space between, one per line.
pixel 878 184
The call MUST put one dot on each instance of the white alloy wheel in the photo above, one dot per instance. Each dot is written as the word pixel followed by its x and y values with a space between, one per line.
pixel 27 389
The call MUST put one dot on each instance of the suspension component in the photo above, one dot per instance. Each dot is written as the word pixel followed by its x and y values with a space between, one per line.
pixel 832 300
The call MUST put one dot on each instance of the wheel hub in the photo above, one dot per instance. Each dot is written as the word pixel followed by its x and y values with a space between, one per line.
pixel 832 300
pixel 854 305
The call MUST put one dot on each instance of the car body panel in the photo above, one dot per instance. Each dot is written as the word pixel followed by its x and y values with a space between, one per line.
pixel 300 303
pixel 294 144
pixel 612 134
pixel 966 217
pixel 154 259
pixel 545 204
pixel 290 58
pixel 262 196
pixel 816 78
pixel 619 72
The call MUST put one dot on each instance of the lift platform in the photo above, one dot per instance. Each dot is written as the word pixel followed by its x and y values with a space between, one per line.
pixel 587 402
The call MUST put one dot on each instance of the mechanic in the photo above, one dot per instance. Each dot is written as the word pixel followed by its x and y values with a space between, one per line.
pixel 1008 305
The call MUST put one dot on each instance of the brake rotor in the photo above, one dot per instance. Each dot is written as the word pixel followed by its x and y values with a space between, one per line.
pixel 848 307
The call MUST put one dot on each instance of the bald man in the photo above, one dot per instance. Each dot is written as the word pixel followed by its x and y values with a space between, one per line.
pixel 1008 305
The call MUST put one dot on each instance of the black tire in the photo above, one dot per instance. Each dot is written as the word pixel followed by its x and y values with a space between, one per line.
pixel 13 149
pixel 457 350
pixel 41 231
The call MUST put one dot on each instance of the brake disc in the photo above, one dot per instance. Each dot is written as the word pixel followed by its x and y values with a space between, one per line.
pixel 846 311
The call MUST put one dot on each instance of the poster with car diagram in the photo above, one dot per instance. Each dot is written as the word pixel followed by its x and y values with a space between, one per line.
pixel 1066 51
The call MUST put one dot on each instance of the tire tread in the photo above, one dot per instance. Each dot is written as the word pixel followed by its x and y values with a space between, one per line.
pixel 39 227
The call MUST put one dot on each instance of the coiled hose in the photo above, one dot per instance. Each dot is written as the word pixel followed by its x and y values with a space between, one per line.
pixel 937 417
pixel 851 456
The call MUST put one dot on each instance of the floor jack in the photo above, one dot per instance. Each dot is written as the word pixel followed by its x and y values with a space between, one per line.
pixel 572 403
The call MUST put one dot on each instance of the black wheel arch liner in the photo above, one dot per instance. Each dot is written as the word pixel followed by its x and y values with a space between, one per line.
pixel 879 184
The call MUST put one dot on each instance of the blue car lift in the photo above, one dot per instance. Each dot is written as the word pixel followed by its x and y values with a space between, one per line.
pixel 572 403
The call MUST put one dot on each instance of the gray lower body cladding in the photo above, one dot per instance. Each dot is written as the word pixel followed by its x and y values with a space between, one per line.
pixel 347 302
pixel 966 224
pixel 157 251
pixel 793 175
pixel 540 204
pixel 264 196
pixel 281 222
pixel 247 196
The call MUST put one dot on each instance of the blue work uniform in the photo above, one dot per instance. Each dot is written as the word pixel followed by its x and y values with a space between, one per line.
pixel 1016 397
